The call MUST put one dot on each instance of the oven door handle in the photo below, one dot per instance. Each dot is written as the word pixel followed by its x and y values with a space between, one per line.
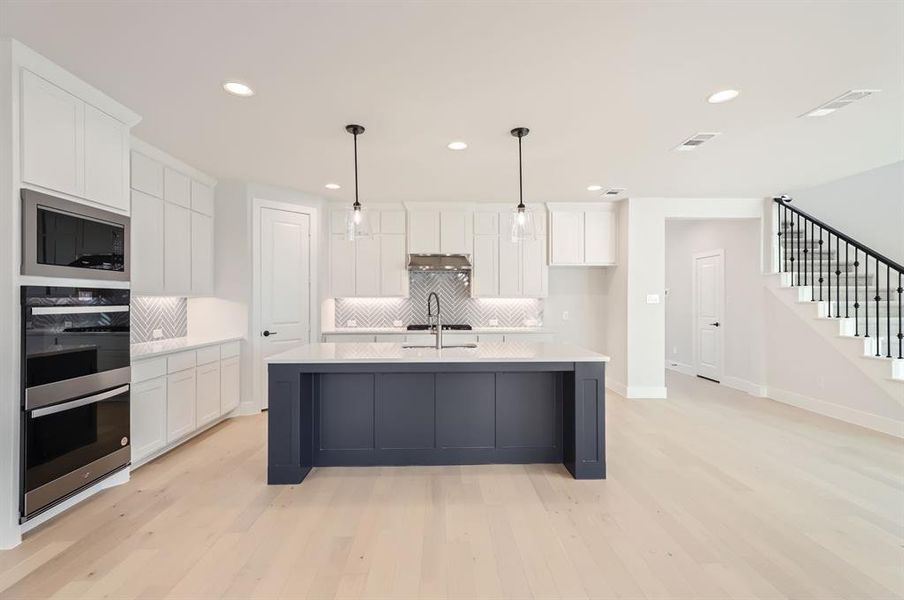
pixel 79 310
pixel 43 412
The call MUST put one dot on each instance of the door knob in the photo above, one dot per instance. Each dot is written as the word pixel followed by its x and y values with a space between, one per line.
pixel 268 333
pixel 716 324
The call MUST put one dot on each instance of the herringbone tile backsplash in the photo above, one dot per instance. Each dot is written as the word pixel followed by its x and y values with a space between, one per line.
pixel 170 315
pixel 457 305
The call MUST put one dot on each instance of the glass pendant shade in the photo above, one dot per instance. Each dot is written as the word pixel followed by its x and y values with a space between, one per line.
pixel 522 222
pixel 357 223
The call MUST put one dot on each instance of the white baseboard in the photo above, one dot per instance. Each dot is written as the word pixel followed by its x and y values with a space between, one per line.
pixel 680 367
pixel 754 389
pixel 617 387
pixel 842 413
pixel 639 391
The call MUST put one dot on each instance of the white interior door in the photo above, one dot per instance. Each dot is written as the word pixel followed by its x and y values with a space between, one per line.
pixel 285 276
pixel 709 296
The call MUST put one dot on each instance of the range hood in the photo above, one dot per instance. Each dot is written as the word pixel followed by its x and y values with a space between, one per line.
pixel 439 263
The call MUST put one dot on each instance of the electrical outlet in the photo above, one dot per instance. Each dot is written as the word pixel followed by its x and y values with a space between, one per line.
pixel 157 334
pixel 351 323
pixel 564 315
pixel 652 298
pixel 397 323
pixel 674 349
pixel 494 322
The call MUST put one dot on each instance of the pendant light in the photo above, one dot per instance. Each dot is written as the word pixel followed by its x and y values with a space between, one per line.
pixel 522 217
pixel 357 224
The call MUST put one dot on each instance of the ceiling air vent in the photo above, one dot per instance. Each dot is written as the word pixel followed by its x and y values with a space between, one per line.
pixel 841 101
pixel 695 140
pixel 612 192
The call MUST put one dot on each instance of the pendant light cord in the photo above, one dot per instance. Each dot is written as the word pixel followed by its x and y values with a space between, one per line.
pixel 356 171
pixel 520 177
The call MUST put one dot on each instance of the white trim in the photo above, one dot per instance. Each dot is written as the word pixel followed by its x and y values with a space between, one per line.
pixel 72 282
pixel 142 147
pixel 754 389
pixel 720 252
pixel 842 413
pixel 640 391
pixel 313 291
pixel 680 367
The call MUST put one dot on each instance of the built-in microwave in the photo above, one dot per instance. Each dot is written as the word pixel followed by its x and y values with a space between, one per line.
pixel 61 238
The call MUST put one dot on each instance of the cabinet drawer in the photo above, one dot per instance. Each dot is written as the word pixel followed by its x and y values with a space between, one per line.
pixel 231 349
pixel 181 361
pixel 143 370
pixel 208 355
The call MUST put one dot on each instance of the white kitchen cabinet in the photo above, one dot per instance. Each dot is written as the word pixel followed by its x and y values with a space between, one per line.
pixel 533 268
pixel 177 249
pixel 53 136
pixel 147 243
pixel 486 223
pixel 367 267
pixel 230 384
pixel 423 231
pixel 509 267
pixel 176 187
pixel 201 198
pixel 485 274
pixel 180 404
pixel 148 417
pixel 207 395
pixel 342 267
pixel 146 175
pixel 106 160
pixel 455 232
pixel 583 234
pixel 393 265
pixel 201 254
pixel 392 221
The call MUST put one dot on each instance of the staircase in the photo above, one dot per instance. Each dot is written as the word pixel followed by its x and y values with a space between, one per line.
pixel 855 292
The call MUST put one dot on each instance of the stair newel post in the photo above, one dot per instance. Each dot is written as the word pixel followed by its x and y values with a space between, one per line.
pixel 829 274
pixel 837 277
pixel 888 311
pixel 820 264
pixel 856 295
pixel 797 238
pixel 784 233
pixel 866 290
pixel 806 249
pixel 812 262
pixel 877 298
pixel 847 291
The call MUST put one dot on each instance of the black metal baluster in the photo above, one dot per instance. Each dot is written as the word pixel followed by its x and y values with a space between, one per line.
pixel 829 274
pixel 877 298
pixel 812 263
pixel 804 234
pixel 888 311
pixel 856 296
pixel 820 264
pixel 866 290
pixel 847 270
pixel 797 244
pixel 837 277
pixel 785 233
pixel 900 329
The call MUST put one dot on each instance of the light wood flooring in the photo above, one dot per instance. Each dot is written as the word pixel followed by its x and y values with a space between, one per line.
pixel 711 494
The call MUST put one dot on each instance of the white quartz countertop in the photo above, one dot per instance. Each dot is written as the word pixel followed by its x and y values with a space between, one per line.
pixel 405 331
pixel 388 352
pixel 149 349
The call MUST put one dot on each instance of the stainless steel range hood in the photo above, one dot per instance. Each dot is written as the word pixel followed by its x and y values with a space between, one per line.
pixel 439 263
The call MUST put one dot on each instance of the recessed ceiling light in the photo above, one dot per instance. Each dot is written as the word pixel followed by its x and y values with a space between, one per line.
pixel 456 146
pixel 723 96
pixel 332 186
pixel 237 88
pixel 594 188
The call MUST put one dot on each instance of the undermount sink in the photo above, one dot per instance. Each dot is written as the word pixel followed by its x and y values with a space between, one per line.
pixel 408 346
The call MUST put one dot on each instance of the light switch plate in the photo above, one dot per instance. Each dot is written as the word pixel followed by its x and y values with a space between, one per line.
pixel 652 298
pixel 351 323
pixel 157 334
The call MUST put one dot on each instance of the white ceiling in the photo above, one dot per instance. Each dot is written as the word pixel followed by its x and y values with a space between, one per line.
pixel 607 88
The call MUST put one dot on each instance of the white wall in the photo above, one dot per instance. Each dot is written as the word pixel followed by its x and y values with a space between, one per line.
pixel 584 293
pixel 868 206
pixel 617 308
pixel 742 323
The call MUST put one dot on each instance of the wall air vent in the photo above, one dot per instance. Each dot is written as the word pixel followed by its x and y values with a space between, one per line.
pixel 841 101
pixel 612 192
pixel 695 140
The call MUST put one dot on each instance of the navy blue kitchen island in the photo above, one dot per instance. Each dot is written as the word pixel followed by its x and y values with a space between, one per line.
pixel 371 404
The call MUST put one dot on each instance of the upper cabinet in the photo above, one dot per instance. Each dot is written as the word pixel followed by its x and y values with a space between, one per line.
pixel 435 231
pixel 369 267
pixel 583 234
pixel 74 140
pixel 172 226
pixel 503 268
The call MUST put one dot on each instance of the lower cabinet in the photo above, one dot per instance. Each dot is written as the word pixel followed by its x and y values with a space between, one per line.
pixel 174 396
pixel 148 415
pixel 180 404
pixel 208 393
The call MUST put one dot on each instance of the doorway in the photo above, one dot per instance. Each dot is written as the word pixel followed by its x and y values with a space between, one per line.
pixel 283 292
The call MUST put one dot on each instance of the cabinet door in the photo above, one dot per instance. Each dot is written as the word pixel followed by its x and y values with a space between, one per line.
pixel 201 254
pixel 147 412
pixel 367 267
pixel 485 277
pixel 393 265
pixel 230 384
pixel 509 267
pixel 202 198
pixel 533 267
pixel 208 393
pixel 146 175
pixel 567 237
pixel 423 231
pixel 392 221
pixel 454 232
pixel 599 237
pixel 176 187
pixel 176 250
pixel 53 129
pixel 106 160
pixel 342 267
pixel 147 243
pixel 486 223
pixel 180 405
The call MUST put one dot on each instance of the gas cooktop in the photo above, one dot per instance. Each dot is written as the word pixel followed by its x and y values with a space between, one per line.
pixel 446 327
